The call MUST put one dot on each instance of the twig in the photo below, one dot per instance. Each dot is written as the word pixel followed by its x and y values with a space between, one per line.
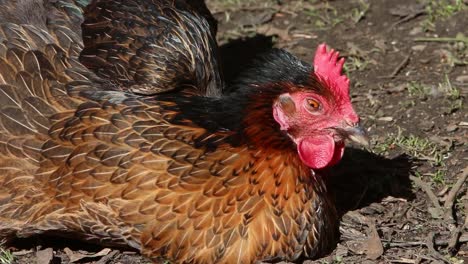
pixel 449 214
pixel 438 242
pixel 452 195
pixel 437 40
pixel 247 9
pixel 399 67
pixel 107 257
pixel 454 239
pixel 421 257
pixel 458 38
pixel 457 237
pixel 409 17
pixel 466 211
pixel 403 260
pixel 434 252
pixel 421 184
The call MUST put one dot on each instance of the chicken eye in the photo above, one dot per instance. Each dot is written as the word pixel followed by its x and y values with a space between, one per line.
pixel 312 104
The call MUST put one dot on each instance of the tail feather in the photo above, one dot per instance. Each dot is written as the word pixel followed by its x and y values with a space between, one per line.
pixel 33 72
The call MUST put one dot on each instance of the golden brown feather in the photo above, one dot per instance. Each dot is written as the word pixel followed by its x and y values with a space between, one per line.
pixel 125 170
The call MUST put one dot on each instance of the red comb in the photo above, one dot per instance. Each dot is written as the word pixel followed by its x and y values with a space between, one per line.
pixel 328 67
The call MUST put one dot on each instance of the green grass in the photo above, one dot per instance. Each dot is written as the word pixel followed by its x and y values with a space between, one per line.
pixel 358 13
pixel 417 89
pixel 453 94
pixel 438 176
pixel 440 10
pixel 354 63
pixel 6 257
pixel 419 148
pixel 415 146
pixel 446 88
pixel 325 17
pixel 451 91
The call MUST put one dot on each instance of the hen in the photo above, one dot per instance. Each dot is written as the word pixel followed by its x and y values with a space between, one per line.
pixel 187 178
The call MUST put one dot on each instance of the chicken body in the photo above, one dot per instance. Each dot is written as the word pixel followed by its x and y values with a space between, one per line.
pixel 182 177
pixel 125 170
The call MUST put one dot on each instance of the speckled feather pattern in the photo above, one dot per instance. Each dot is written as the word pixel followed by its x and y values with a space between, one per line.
pixel 150 47
pixel 124 170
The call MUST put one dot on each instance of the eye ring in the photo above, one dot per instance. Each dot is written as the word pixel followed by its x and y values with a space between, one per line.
pixel 312 105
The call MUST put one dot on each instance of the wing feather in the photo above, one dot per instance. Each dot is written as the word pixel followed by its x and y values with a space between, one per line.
pixel 152 47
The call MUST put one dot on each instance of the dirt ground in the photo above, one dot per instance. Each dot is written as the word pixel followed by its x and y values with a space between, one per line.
pixel 404 200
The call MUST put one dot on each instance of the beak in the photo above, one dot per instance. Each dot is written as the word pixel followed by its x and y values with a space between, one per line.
pixel 358 135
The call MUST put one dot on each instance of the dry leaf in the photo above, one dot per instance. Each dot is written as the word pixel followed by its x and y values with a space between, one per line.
pixel 391 199
pixel 22 252
pixel 398 88
pixel 356 217
pixel 373 245
pixel 256 18
pixel 108 257
pixel 76 256
pixel 381 44
pixel 45 256
pixel 355 50
pixel 355 246
pixel 269 30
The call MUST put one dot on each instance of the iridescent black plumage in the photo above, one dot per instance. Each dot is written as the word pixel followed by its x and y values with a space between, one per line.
pixel 155 46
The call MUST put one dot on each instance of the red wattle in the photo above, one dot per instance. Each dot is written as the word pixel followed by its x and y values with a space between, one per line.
pixel 320 151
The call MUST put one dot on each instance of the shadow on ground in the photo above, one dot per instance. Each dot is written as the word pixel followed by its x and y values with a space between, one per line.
pixel 362 178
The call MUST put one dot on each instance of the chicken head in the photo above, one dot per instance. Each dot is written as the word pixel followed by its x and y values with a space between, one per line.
pixel 319 120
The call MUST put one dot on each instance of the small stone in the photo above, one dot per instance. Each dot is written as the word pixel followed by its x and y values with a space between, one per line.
pixel 451 128
pixel 355 247
pixel 398 88
pixel 415 31
pixel 341 251
pixel 425 61
pixel 385 119
pixel 426 125
pixel 372 209
pixel 418 47
pixel 436 213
